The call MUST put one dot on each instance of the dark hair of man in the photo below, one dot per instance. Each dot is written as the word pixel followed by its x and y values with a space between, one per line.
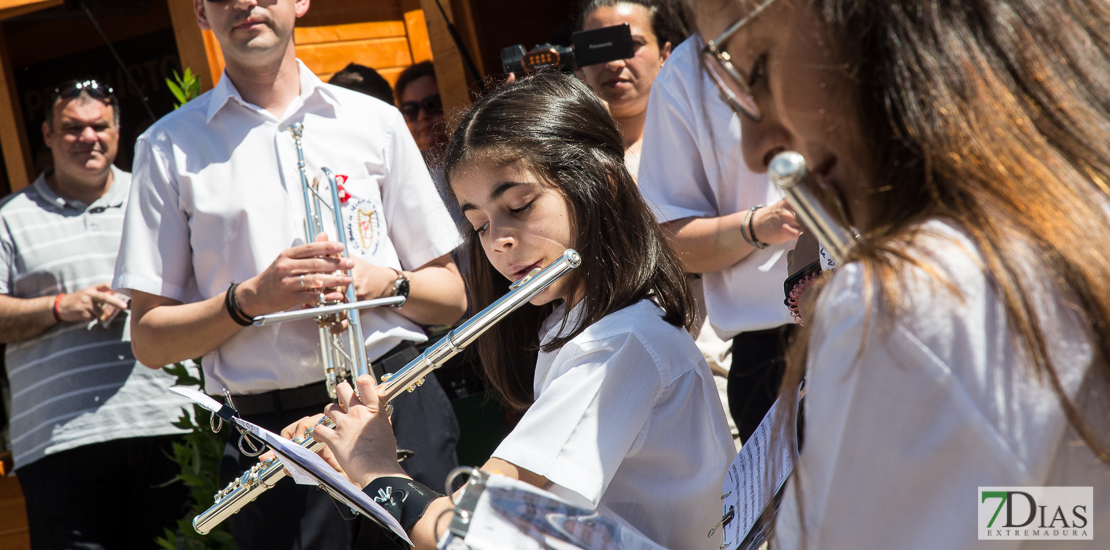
pixel 365 80
pixel 669 18
pixel 556 127
pixel 411 74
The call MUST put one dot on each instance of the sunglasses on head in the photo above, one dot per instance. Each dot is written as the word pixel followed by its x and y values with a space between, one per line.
pixel 94 89
pixel 430 105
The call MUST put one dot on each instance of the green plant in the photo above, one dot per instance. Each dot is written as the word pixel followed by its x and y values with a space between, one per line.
pixel 198 454
pixel 184 87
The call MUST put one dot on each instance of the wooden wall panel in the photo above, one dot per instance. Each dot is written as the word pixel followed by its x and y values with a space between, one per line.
pixel 450 74
pixel 351 31
pixel 15 8
pixel 194 46
pixel 13 516
pixel 13 134
pixel 323 13
pixel 416 26
pixel 378 53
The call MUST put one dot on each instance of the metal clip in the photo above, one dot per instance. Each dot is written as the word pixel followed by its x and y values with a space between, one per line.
pixel 724 521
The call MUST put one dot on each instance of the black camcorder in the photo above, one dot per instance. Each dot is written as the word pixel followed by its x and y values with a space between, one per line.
pixel 587 48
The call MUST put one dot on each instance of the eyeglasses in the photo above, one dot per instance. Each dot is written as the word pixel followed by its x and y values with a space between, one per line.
pixel 732 83
pixel 94 89
pixel 431 105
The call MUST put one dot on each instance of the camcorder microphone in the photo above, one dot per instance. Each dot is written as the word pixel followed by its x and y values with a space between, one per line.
pixel 587 48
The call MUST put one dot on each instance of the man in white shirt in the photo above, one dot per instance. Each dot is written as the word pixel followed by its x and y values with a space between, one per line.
pixel 217 200
pixel 724 221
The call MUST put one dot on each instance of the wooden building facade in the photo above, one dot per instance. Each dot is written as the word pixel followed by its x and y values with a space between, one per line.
pixel 44 42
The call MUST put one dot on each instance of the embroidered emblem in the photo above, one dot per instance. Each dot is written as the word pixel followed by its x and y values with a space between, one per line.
pixel 366 226
pixel 363 225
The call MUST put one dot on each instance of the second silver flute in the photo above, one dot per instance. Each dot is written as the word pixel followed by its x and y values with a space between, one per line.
pixel 264 475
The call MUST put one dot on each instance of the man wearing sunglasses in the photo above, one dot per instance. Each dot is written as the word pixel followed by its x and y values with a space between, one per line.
pixel 215 237
pixel 725 221
pixel 91 427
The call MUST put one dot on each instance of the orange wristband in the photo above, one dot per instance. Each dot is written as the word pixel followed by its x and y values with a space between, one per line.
pixel 57 302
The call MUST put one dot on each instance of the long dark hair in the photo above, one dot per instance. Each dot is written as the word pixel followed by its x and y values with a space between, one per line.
pixel 558 129
pixel 670 19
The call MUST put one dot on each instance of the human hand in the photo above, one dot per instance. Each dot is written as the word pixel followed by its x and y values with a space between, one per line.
pixel 95 302
pixel 362 441
pixel 776 224
pixel 297 277
pixel 372 281
pixel 297 430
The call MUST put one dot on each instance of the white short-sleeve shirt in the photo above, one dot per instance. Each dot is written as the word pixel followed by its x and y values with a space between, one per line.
pixel 627 417
pixel 691 165
pixel 899 437
pixel 217 196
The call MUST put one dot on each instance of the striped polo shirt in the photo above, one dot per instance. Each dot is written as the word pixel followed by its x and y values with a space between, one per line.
pixel 73 385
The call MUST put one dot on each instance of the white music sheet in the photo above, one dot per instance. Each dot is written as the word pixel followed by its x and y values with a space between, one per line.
pixel 307 468
pixel 752 480
pixel 512 515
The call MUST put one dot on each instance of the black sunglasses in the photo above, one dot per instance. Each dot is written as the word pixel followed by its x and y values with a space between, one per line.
pixel 430 105
pixel 94 89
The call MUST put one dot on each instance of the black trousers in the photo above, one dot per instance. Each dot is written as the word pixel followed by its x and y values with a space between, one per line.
pixel 758 364
pixel 298 517
pixel 103 496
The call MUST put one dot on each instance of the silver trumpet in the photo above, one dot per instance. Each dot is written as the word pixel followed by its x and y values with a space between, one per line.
pixel 264 475
pixel 788 172
pixel 341 360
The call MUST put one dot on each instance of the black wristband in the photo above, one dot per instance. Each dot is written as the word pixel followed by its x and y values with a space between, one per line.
pixel 405 499
pixel 232 307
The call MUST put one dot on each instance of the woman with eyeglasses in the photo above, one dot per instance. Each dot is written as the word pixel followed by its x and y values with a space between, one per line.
pixel 958 360
pixel 624 84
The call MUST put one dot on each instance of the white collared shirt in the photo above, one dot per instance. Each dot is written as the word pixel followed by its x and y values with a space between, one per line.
pixel 905 420
pixel 627 418
pixel 691 165
pixel 217 196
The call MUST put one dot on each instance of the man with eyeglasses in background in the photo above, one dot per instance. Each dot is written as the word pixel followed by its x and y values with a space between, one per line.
pixel 91 428
pixel 214 237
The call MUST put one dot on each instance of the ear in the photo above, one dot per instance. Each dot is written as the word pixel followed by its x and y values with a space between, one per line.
pixel 202 18
pixel 47 133
pixel 665 51
pixel 300 7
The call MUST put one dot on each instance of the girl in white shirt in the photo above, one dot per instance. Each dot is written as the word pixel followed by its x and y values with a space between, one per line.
pixel 620 410
pixel 961 350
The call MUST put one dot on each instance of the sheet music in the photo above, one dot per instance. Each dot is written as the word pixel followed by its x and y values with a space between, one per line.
pixel 511 514
pixel 750 484
pixel 307 468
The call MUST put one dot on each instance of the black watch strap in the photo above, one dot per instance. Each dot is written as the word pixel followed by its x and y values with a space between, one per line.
pixel 405 499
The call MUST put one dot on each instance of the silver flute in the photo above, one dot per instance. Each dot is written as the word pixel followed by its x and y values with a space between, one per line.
pixel 788 171
pixel 265 474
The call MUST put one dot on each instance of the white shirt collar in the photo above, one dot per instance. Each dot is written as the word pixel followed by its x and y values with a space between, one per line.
pixel 225 90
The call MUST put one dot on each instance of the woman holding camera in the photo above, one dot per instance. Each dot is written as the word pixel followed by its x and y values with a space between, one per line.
pixel 963 344
pixel 624 84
